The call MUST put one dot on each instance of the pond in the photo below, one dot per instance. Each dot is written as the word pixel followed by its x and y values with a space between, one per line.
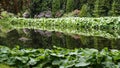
pixel 64 32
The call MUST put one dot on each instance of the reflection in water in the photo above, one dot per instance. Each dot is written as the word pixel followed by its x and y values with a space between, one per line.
pixel 46 39
pixel 75 32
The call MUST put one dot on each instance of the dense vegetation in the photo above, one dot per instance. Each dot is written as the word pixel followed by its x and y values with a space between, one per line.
pixel 63 32
pixel 69 25
pixel 95 8
pixel 59 58
pixel 54 42
pixel 14 6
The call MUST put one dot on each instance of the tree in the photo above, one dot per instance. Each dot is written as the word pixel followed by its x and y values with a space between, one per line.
pixel 115 11
pixel 38 6
pixel 55 6
pixel 15 6
pixel 46 5
pixel 101 8
pixel 82 2
pixel 85 11
pixel 91 6
pixel 70 5
pixel 63 4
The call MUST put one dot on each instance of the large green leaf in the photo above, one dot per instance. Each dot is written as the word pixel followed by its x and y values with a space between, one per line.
pixel 82 64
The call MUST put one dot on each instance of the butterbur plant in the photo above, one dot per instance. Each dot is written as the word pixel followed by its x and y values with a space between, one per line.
pixel 71 25
pixel 59 57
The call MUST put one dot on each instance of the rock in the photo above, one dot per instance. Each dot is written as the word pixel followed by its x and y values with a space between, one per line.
pixel 48 33
pixel 26 14
pixel 41 32
pixel 40 15
pixel 26 30
pixel 35 16
pixel 59 34
pixel 59 13
pixel 76 36
pixel 48 14
pixel 24 39
pixel 76 12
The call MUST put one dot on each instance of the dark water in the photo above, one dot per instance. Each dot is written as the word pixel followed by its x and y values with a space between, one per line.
pixel 85 38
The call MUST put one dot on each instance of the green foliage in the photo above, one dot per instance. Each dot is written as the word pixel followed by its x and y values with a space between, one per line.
pixel 55 6
pixel 59 57
pixel 82 2
pixel 35 7
pixel 5 66
pixel 38 6
pixel 97 7
pixel 15 6
pixel 98 26
pixel 6 14
pixel 104 31
pixel 101 8
pixel 70 5
pixel 115 11
pixel 85 11
pixel 46 5
pixel 91 4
